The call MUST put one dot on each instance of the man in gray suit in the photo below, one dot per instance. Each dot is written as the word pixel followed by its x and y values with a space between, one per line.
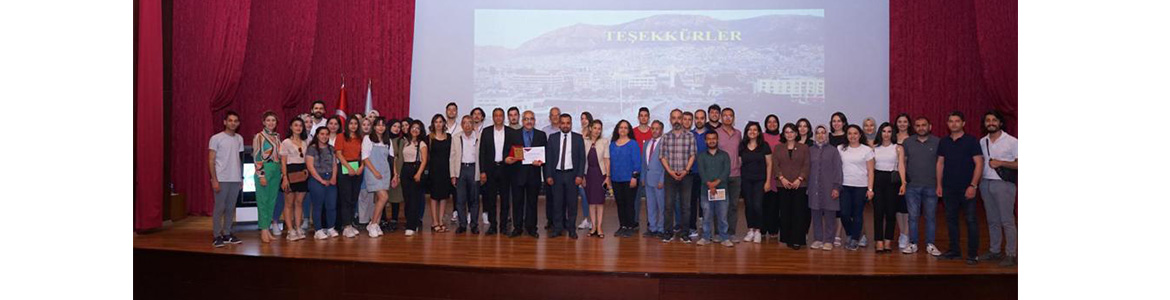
pixel 654 175
pixel 564 170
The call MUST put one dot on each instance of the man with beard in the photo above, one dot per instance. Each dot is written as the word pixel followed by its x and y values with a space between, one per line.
pixel 677 158
pixel 714 113
pixel 494 146
pixel 564 173
pixel 514 118
pixel 526 182
pixel 317 114
pixel 999 194
pixel 452 112
pixel 921 158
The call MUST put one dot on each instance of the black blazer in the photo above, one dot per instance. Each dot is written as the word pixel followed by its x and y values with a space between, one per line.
pixel 552 152
pixel 487 147
pixel 527 174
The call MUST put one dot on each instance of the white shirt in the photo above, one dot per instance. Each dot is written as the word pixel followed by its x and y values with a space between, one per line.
pixel 566 151
pixel 498 138
pixel 886 158
pixel 368 146
pixel 469 143
pixel 313 129
pixel 1003 149
pixel 227 156
pixel 651 142
pixel 853 165
pixel 453 126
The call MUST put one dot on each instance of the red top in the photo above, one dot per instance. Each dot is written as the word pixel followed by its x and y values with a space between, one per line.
pixel 352 149
pixel 641 137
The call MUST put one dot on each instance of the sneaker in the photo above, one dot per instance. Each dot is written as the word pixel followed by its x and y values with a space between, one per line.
pixel 728 243
pixel 863 242
pixel 373 230
pixel 350 232
pixel 702 242
pixel 320 235
pixel 409 232
pixel 827 247
pixel 852 245
pixel 930 248
pixel 291 236
pixel 218 242
pixel 749 236
pixel 686 240
pixel 454 217
pixel 484 217
pixel 910 249
pixel 756 238
pixel 667 238
pixel 232 239
pixel 903 241
pixel 837 241
pixel 991 256
pixel 332 232
pixel 301 234
pixel 585 225
pixel 816 245
pixel 1008 261
pixel 694 234
pixel 276 228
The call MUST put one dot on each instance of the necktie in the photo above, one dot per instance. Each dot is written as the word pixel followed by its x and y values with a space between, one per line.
pixel 650 153
pixel 564 143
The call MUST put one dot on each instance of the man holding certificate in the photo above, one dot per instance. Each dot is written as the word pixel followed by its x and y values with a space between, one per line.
pixel 526 184
pixel 714 168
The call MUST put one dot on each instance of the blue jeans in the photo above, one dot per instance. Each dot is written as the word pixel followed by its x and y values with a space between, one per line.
pixel 584 202
pixel 921 201
pixel 655 206
pixel 714 211
pixel 324 204
pixel 278 208
pixel 853 210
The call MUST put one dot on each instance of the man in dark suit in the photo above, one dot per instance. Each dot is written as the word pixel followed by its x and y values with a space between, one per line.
pixel 493 149
pixel 565 171
pixel 526 184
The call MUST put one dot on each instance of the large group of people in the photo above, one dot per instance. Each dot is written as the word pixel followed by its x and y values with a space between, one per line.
pixel 340 173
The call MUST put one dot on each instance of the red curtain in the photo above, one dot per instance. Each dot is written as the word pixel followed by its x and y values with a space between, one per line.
pixel 148 114
pixel 209 42
pixel 253 56
pixel 950 55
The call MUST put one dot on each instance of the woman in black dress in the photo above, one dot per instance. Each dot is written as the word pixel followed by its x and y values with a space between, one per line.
pixel 438 165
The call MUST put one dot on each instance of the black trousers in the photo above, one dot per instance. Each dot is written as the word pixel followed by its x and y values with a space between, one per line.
pixel 954 200
pixel 771 213
pixel 564 201
pixel 885 205
pixel 348 187
pixel 794 215
pixel 524 201
pixel 498 192
pixel 624 195
pixel 412 192
pixel 753 198
pixel 696 191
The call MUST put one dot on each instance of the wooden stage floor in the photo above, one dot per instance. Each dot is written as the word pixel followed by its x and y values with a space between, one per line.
pixel 635 255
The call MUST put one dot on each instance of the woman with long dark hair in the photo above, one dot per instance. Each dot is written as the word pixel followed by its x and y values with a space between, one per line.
pixel 857 160
pixel 887 183
pixel 804 132
pixel 414 156
pixel 902 131
pixel 755 155
pixel 295 181
pixel 438 162
pixel 349 182
pixel 596 175
pixel 323 182
pixel 625 164
pixel 379 176
pixel 266 155
pixel 837 123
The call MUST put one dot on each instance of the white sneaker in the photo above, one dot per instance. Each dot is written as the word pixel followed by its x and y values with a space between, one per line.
pixel 372 230
pixel 332 232
pixel 930 248
pixel 756 237
pixel 910 249
pixel 903 241
pixel 291 236
pixel 728 243
pixel 748 237
pixel 816 245
pixel 320 235
pixel 694 234
pixel 837 241
pixel 455 217
pixel 276 228
pixel 350 232
pixel 585 225
pixel 862 242
pixel 485 220
pixel 409 232
pixel 827 247
pixel 702 242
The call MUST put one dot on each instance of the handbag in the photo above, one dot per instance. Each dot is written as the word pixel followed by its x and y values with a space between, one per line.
pixel 298 176
pixel 1007 174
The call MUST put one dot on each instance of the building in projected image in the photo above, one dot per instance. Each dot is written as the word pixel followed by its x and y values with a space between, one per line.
pixel 802 89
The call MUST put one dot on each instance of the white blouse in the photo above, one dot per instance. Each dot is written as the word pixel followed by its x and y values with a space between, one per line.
pixel 886 158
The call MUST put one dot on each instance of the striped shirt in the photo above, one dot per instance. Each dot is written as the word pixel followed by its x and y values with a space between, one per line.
pixel 677 148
